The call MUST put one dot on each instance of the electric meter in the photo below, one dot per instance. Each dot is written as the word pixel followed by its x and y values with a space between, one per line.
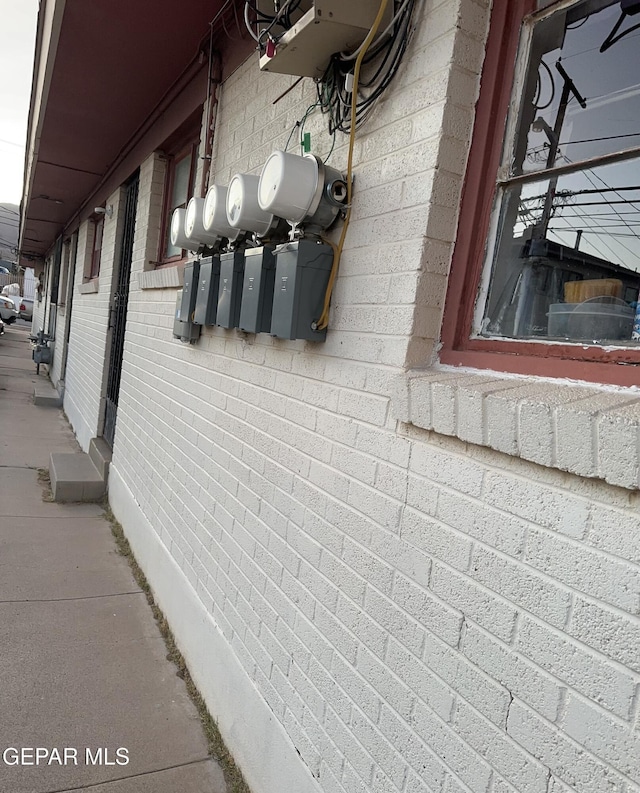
pixel 243 209
pixel 214 213
pixel 193 224
pixel 179 238
pixel 301 189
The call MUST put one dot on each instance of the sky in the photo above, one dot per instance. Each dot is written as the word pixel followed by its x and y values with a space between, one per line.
pixel 18 20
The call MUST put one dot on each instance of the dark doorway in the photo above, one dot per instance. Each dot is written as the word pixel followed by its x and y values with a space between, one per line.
pixel 118 311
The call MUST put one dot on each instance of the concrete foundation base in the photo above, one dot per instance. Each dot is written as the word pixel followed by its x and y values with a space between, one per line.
pixel 74 477
pixel 45 394
pixel 262 749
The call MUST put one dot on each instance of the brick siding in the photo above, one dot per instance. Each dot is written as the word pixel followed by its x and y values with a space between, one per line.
pixel 421 614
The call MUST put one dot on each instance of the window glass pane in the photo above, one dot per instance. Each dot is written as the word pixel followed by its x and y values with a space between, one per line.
pixel 97 248
pixel 179 196
pixel 181 173
pixel 567 262
pixel 171 250
pixel 580 102
pixel 97 237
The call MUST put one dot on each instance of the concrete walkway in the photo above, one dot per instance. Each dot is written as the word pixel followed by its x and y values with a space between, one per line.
pixel 82 664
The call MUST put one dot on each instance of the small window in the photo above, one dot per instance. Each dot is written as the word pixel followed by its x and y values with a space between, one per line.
pixel 96 253
pixel 560 274
pixel 69 268
pixel 178 190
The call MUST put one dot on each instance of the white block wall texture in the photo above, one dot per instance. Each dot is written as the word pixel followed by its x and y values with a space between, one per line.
pixel 368 605
pixel 87 361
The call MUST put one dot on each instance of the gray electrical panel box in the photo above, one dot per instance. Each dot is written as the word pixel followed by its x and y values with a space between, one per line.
pixel 302 275
pixel 185 331
pixel 327 26
pixel 230 289
pixel 189 290
pixel 257 290
pixel 206 308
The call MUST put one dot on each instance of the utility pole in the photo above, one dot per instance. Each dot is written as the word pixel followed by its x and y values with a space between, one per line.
pixel 568 90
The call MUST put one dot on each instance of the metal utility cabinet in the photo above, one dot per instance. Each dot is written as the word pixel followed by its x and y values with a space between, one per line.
pixel 230 289
pixel 189 291
pixel 184 330
pixel 257 290
pixel 206 309
pixel 302 276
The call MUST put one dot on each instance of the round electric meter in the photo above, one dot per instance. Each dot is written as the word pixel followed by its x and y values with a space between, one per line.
pixel 301 190
pixel 243 210
pixel 179 238
pixel 288 185
pixel 214 213
pixel 193 223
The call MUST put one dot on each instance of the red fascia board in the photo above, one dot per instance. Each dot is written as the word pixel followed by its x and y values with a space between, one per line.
pixel 113 65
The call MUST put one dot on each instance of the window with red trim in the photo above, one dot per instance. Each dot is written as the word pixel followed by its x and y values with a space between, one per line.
pixel 181 151
pixel 546 270
pixel 179 189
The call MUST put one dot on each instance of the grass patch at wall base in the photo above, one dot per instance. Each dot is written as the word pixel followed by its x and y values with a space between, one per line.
pixel 215 744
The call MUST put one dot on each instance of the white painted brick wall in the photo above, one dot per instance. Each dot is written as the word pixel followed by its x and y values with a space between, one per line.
pixel 420 614
pixel 88 349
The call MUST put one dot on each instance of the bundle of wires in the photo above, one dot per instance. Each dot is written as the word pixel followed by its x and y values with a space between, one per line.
pixel 379 67
pixel 264 26
pixel 323 320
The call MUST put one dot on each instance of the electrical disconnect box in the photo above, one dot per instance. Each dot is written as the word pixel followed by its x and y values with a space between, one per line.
pixel 257 290
pixel 184 330
pixel 189 290
pixel 206 309
pixel 302 275
pixel 328 26
pixel 230 289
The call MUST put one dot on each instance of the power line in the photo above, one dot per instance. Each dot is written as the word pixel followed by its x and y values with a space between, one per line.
pixel 593 49
pixel 583 217
pixel 595 140
pixel 596 232
pixel 607 225
pixel 591 218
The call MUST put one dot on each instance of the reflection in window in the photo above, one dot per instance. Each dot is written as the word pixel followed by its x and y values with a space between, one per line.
pixel 180 181
pixel 96 252
pixel 566 262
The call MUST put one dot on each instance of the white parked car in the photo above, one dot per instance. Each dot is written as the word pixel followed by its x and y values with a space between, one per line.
pixel 9 311
pixel 26 308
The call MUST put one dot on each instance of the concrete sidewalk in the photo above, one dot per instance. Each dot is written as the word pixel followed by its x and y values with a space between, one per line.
pixel 82 664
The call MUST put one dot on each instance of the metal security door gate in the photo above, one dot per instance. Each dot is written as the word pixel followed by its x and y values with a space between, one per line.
pixel 118 312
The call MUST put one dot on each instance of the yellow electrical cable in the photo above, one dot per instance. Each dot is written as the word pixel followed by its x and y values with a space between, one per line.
pixel 323 321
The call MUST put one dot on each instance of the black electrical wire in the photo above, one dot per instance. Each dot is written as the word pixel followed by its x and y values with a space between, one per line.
pixel 384 61
pixel 612 38
pixel 553 87
pixel 260 15
pixel 250 5
pixel 579 24
pixel 289 10
pixel 276 25
pixel 395 63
